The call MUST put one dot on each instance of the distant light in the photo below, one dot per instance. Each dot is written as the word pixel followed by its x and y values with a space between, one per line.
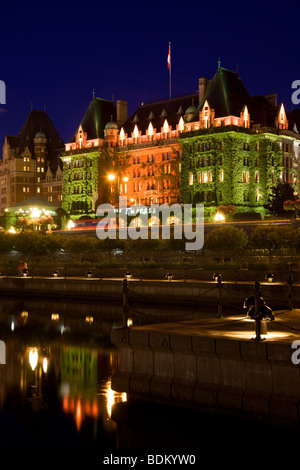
pixel 35 213
pixel 70 224
pixel 129 322
pixel 33 358
pixel 89 320
pixel 45 365
pixel 55 316
pixel 219 217
pixel 12 230
pixel 111 177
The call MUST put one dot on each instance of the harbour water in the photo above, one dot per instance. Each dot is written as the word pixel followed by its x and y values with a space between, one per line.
pixel 56 400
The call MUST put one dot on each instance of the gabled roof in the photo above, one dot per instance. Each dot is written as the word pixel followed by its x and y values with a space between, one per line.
pixel 226 94
pixel 294 120
pixel 39 121
pixel 98 114
pixel 157 112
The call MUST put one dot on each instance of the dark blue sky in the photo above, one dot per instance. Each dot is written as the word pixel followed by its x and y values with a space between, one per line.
pixel 54 54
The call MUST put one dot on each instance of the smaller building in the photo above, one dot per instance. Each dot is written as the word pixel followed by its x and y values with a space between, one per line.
pixel 31 162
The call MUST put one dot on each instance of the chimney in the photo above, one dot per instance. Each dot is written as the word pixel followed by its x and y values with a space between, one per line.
pixel 203 87
pixel 121 112
pixel 272 99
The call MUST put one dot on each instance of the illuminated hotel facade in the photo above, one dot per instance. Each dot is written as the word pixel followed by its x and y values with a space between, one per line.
pixel 219 146
pixel 31 164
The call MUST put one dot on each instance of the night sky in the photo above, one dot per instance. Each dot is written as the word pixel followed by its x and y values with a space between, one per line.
pixel 54 55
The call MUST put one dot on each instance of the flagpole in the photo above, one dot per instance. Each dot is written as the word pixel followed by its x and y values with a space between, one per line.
pixel 170 69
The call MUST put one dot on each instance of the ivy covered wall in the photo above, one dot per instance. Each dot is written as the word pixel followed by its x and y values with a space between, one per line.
pixel 80 183
pixel 232 166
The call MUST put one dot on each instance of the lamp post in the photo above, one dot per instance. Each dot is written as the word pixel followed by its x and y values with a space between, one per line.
pixel 112 176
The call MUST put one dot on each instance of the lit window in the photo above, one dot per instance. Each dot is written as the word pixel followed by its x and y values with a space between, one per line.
pixel 38 190
pixel 221 176
pixel 191 178
pixel 24 189
pixel 38 169
pixel 204 177
pixel 199 177
pixel 256 177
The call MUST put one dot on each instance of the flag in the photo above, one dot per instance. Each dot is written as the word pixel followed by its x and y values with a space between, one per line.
pixel 169 57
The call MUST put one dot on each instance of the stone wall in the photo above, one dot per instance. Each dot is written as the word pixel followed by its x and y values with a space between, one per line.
pixel 245 377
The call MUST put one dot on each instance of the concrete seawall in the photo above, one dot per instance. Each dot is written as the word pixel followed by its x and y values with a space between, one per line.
pixel 145 291
pixel 205 367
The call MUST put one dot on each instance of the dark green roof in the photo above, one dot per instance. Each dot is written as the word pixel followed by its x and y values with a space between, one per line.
pixel 226 94
pixel 38 122
pixel 98 114
pixel 35 201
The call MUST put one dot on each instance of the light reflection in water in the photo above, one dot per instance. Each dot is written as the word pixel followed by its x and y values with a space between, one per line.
pixel 111 396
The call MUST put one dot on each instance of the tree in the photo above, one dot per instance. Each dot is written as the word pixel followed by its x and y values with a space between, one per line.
pixel 226 238
pixel 280 194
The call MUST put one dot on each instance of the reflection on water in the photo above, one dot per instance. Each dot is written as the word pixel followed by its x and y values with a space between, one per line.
pixel 56 385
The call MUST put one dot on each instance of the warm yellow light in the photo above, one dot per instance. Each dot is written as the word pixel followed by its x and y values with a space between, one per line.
pixel 125 179
pixel 111 177
pixel 219 217
pixel 89 320
pixel 122 134
pixel 166 127
pixel 33 358
pixel 12 230
pixel 55 316
pixel 70 224
pixel 45 365
pixel 136 132
pixel 150 129
pixel 35 213
pixel 181 124
pixel 129 322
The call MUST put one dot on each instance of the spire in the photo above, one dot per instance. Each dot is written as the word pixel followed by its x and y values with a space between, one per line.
pixel 219 62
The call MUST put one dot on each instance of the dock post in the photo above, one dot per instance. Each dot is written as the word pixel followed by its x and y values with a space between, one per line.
pixel 290 283
pixel 220 310
pixel 125 303
pixel 257 294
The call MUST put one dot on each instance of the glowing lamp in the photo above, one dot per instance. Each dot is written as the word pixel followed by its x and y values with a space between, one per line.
pixel 128 275
pixel 55 316
pixel 170 276
pixel 70 225
pixel 45 365
pixel 269 277
pixel 33 358
pixel 217 276
pixel 219 217
pixel 55 274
